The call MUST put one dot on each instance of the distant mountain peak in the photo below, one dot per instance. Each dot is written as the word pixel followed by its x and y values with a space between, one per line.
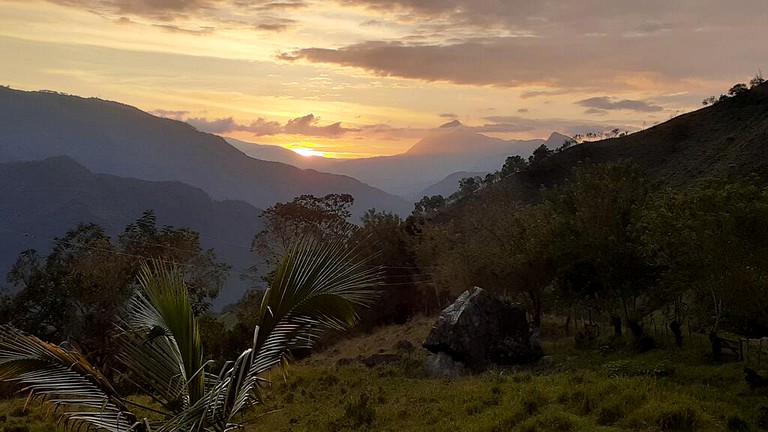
pixel 451 124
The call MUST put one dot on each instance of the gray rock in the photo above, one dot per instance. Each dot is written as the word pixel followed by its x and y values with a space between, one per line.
pixel 479 330
pixel 441 365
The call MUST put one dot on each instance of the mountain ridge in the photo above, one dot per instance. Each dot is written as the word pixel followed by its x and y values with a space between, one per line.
pixel 114 138
pixel 42 200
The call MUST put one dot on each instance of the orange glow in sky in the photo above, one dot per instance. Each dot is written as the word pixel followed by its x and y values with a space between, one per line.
pixel 362 78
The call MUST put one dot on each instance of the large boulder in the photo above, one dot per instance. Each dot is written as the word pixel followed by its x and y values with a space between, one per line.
pixel 479 330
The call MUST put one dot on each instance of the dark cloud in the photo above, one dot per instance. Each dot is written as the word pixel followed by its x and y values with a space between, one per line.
pixel 477 62
pixel 522 110
pixel 306 125
pixel 448 115
pixel 573 46
pixel 608 103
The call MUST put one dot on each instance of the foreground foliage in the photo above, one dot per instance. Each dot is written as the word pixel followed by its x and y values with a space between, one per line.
pixel 662 390
pixel 316 286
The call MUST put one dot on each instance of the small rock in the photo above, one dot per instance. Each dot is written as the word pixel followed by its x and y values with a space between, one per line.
pixel 546 361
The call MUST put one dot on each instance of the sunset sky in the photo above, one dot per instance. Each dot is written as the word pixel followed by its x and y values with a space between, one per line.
pixel 355 78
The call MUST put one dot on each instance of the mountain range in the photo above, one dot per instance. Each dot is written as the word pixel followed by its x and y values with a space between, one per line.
pixel 448 149
pixel 727 140
pixel 42 200
pixel 113 138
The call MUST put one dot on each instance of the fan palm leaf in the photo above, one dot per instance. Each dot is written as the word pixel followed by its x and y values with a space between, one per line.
pixel 63 378
pixel 317 286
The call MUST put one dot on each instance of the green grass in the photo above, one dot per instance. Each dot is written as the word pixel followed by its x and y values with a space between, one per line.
pixel 662 390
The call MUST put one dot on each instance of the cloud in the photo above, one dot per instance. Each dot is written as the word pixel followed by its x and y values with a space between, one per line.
pixel 165 10
pixel 513 124
pixel 595 111
pixel 448 115
pixel 274 24
pixel 258 127
pixel 522 110
pixel 608 103
pixel 306 125
pixel 200 16
pixel 284 5
pixel 653 28
pixel 554 44
pixel 475 62
pixel 171 114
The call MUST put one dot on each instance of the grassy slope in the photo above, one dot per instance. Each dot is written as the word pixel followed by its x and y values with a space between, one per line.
pixel 666 389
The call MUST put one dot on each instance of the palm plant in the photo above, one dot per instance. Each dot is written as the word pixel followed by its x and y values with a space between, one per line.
pixel 317 286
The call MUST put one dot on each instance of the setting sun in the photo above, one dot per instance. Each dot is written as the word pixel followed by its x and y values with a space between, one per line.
pixel 307 152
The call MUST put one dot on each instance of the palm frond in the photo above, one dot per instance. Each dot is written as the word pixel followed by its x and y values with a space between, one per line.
pixel 160 338
pixel 62 378
pixel 317 286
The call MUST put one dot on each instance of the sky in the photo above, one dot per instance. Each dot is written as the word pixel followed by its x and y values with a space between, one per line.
pixel 360 78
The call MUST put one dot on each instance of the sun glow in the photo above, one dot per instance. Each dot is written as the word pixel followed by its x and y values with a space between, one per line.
pixel 307 152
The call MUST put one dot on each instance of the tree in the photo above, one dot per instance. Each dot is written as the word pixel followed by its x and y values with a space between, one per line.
pixel 468 185
pixel 323 218
pixel 542 152
pixel 385 239
pixel 316 286
pixel 512 165
pixel 78 289
pixel 737 89
pixel 428 204
pixel 757 79
pixel 497 244
pixel 598 253
pixel 202 274
pixel 713 245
